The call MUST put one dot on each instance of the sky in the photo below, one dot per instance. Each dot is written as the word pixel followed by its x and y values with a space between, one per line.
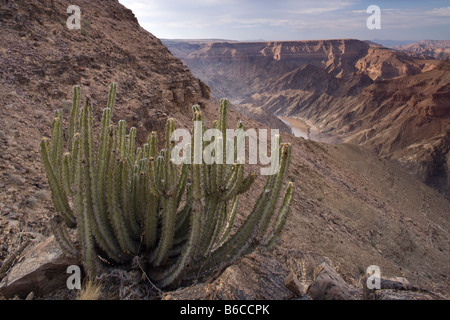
pixel 292 19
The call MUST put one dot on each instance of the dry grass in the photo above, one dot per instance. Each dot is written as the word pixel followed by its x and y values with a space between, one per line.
pixel 300 269
pixel 91 290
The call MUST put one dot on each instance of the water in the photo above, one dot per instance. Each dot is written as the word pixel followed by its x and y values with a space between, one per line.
pixel 298 132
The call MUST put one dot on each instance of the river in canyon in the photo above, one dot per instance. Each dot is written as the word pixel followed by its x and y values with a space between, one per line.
pixel 306 129
pixel 299 128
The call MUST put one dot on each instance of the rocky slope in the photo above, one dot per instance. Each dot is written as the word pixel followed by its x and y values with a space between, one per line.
pixel 349 206
pixel 408 119
pixel 426 49
pixel 351 89
pixel 41 60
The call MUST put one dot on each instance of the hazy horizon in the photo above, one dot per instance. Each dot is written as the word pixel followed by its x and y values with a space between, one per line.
pixel 266 20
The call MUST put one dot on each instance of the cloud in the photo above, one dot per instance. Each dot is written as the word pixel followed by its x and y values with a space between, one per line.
pixel 439 12
pixel 206 13
pixel 321 6
pixel 285 19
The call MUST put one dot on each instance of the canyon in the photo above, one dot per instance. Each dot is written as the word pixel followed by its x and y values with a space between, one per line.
pixel 390 102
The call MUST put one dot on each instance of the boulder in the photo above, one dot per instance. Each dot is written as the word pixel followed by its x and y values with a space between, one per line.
pixel 292 283
pixel 40 269
pixel 329 285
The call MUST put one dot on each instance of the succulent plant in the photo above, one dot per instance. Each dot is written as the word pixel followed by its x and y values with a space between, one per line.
pixel 127 201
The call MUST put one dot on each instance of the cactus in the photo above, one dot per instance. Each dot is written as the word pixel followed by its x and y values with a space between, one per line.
pixel 126 200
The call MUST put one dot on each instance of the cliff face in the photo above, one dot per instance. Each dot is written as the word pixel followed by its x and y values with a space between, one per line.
pixel 408 119
pixel 426 49
pixel 239 69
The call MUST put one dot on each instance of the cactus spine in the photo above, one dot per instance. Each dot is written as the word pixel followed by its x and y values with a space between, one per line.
pixel 128 200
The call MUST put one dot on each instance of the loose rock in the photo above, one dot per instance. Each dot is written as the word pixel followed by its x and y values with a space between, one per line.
pixel 40 269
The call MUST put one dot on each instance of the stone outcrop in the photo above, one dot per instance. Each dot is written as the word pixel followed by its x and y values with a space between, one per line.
pixel 41 269
pixel 329 285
